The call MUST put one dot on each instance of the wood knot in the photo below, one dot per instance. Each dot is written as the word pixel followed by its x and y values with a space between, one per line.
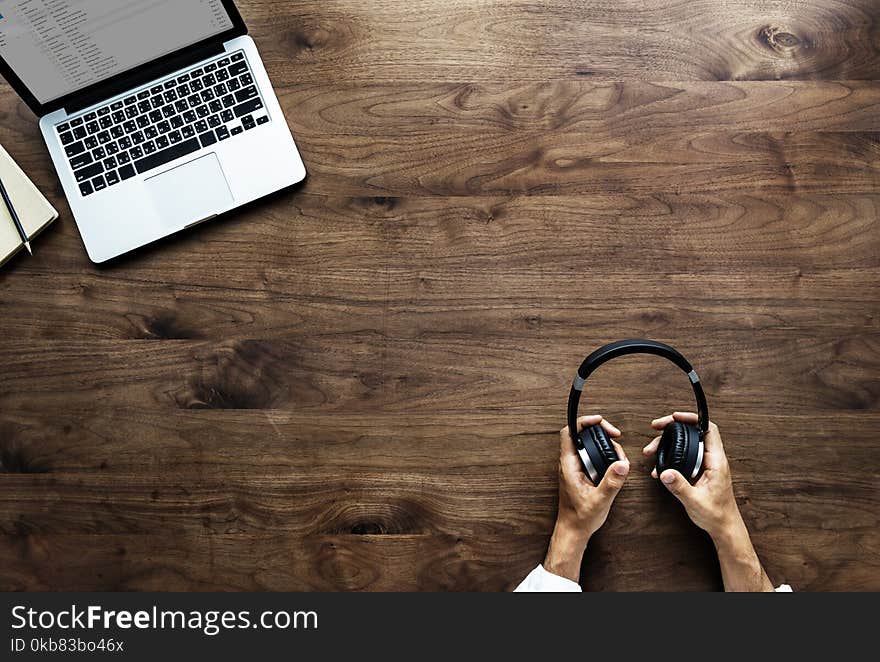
pixel 778 40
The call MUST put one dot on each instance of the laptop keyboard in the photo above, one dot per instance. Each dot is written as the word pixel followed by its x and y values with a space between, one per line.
pixel 213 102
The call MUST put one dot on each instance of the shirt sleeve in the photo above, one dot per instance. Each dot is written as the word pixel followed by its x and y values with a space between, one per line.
pixel 541 581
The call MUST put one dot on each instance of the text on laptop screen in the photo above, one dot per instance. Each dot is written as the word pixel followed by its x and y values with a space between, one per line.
pixel 61 46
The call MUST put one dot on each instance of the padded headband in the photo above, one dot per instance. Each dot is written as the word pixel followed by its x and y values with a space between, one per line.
pixel 622 348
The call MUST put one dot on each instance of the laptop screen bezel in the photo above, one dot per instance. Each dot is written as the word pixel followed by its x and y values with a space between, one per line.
pixel 129 78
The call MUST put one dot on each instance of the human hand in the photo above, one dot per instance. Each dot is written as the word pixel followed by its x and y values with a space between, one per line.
pixel 583 507
pixel 710 502
pixel 711 505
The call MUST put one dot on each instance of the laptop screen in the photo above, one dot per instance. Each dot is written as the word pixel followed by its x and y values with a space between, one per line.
pixel 58 47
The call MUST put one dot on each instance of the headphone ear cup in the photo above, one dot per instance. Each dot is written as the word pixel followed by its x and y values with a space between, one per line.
pixel 673 448
pixel 603 447
pixel 679 449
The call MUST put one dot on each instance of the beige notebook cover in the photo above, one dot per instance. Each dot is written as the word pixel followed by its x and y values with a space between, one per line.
pixel 34 211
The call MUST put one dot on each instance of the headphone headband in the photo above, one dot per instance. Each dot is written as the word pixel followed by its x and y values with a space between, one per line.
pixel 622 348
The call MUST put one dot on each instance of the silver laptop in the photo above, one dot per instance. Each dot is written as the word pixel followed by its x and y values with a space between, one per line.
pixel 158 114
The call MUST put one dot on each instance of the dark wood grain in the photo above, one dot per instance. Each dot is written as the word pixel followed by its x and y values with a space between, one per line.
pixel 359 385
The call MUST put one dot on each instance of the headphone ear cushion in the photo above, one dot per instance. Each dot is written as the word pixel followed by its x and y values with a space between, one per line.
pixel 603 444
pixel 673 451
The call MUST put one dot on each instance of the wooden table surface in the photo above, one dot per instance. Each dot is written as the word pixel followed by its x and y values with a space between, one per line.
pixel 358 385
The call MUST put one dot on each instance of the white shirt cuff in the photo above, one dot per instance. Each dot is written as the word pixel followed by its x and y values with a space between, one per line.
pixel 541 581
pixel 783 588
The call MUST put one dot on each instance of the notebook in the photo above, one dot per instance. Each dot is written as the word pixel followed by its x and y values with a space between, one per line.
pixel 34 211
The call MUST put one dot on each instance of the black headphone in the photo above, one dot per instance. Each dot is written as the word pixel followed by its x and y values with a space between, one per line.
pixel 681 446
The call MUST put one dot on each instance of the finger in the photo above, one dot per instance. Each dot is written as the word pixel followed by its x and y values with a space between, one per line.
pixel 587 421
pixel 685 417
pixel 675 483
pixel 613 480
pixel 569 461
pixel 610 428
pixel 652 447
pixel 654 473
pixel 714 456
pixel 620 452
pixel 662 422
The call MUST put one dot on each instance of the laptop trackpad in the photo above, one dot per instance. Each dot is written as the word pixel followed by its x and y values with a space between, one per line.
pixel 190 193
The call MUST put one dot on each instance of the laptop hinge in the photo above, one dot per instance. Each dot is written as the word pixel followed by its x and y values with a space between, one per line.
pixel 141 75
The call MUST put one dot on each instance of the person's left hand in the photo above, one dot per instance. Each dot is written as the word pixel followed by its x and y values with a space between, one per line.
pixel 583 507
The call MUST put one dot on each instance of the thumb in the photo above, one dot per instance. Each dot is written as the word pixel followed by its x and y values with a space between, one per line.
pixel 613 480
pixel 677 484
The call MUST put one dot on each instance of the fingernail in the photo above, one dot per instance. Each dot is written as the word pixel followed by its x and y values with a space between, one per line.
pixel 668 477
pixel 621 468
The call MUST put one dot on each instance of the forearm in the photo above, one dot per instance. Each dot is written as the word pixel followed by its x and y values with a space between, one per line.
pixel 566 552
pixel 741 570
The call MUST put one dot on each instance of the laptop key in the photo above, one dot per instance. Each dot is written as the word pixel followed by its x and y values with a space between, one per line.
pixel 166 156
pixel 263 120
pixel 77 122
pixel 137 153
pixel 248 122
pixel 145 94
pixel 112 178
pixel 214 121
pixel 86 189
pixel 61 128
pixel 99 153
pixel 248 107
pixel 99 184
pixel 90 117
pixel 88 172
pixel 112 148
pixel 175 137
pixel 91 142
pixel 238 57
pixel 127 172
pixel 75 148
pixel 92 127
pixel 227 116
pixel 188 132
pixel 237 130
pixel 149 147
pixel 208 139
pixel 117 132
pixel 79 133
pixel 143 121
pixel 81 161
pixel 66 138
pixel 103 111
pixel 224 62
pixel 103 137
pixel 245 94
pixel 201 126
pixel 177 122
pixel 162 142
pixel 110 163
pixel 123 158
pixel 117 106
pixel 222 133
pixel 156 89
pixel 238 68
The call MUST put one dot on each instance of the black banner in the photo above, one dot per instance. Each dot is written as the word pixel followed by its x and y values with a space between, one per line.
pixel 147 626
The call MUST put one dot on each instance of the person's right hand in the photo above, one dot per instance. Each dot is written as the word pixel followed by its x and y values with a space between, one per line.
pixel 710 502
pixel 712 507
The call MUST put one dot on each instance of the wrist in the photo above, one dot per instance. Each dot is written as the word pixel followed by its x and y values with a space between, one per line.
pixel 566 551
pixel 731 536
